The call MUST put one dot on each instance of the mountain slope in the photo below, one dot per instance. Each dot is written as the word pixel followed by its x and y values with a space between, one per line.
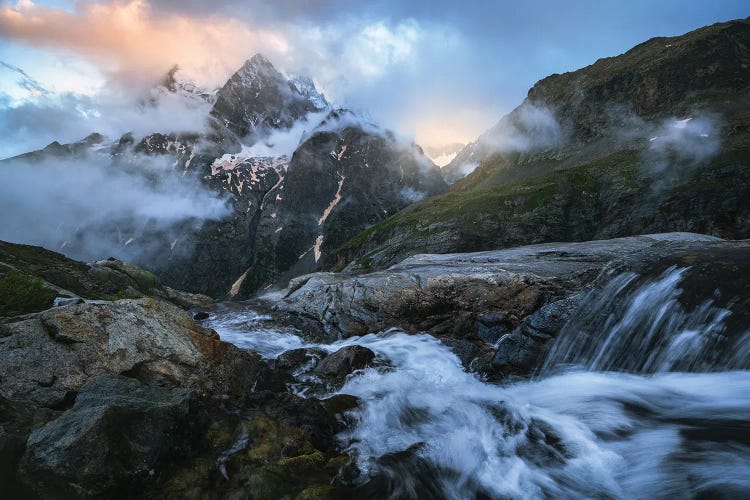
pixel 656 139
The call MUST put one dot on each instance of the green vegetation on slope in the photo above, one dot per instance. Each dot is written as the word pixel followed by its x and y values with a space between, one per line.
pixel 23 294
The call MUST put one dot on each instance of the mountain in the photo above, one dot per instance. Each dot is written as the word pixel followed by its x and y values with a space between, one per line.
pixel 346 176
pixel 290 212
pixel 175 83
pixel 287 212
pixel 258 98
pixel 656 139
pixel 442 155
pixel 305 86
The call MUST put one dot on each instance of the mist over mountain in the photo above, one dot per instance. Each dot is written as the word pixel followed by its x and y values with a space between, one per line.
pixel 269 180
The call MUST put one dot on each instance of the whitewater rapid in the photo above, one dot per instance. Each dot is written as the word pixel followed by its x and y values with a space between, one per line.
pixel 428 429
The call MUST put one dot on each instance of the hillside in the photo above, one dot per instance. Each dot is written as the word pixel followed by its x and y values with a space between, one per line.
pixel 656 139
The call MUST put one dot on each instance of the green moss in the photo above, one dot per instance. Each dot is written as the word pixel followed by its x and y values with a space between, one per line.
pixel 23 294
pixel 315 492
pixel 303 462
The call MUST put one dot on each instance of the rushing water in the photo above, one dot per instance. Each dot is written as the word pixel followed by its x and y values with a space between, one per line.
pixel 676 426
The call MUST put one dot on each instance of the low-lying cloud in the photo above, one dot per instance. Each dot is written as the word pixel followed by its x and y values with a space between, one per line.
pixel 93 208
pixel 69 117
pixel 687 142
pixel 284 141
pixel 528 127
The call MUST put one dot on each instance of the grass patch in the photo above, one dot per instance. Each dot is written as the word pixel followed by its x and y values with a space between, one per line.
pixel 23 294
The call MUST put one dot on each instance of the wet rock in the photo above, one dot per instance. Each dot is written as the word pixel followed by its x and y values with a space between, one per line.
pixel 519 352
pixel 305 359
pixel 473 296
pixel 66 301
pixel 490 327
pixel 201 315
pixel 118 430
pixel 346 360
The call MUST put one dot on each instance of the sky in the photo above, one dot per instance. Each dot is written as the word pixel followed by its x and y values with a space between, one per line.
pixel 436 71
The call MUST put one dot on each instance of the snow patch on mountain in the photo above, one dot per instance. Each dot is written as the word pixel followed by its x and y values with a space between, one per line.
pixel 305 86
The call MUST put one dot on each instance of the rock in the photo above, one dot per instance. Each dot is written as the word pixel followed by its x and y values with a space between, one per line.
pixel 133 398
pixel 48 357
pixel 474 356
pixel 17 420
pixel 343 362
pixel 66 301
pixel 305 359
pixel 490 327
pixel 520 352
pixel 118 430
pixel 715 269
pixel 456 295
pixel 201 315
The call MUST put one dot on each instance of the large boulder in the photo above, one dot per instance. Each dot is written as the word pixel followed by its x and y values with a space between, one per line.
pixel 118 430
pixel 343 362
pixel 48 357
pixel 133 397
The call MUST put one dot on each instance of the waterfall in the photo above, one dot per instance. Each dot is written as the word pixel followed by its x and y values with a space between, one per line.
pixel 638 327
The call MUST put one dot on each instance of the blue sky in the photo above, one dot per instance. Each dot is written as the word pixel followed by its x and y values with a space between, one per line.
pixel 434 70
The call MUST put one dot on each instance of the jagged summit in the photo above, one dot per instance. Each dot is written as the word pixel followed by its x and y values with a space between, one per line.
pixel 258 98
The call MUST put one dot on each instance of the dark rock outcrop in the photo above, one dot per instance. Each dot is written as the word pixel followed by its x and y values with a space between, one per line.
pixel 337 366
pixel 118 431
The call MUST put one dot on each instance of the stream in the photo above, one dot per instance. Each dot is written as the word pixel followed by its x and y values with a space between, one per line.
pixel 638 398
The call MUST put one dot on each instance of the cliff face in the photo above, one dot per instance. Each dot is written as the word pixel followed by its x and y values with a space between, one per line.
pixel 656 139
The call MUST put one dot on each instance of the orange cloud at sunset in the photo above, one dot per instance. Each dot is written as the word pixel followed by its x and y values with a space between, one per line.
pixel 128 39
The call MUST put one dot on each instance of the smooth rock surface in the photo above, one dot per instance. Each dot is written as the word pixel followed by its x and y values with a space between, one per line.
pixel 456 295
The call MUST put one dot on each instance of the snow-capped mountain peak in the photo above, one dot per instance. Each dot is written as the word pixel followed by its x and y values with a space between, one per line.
pixel 305 86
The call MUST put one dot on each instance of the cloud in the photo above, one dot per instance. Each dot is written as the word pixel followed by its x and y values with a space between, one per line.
pixel 127 40
pixel 284 142
pixel 678 146
pixel 436 70
pixel 691 140
pixel 68 117
pixel 411 195
pixel 92 208
pixel 528 127
pixel 25 81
